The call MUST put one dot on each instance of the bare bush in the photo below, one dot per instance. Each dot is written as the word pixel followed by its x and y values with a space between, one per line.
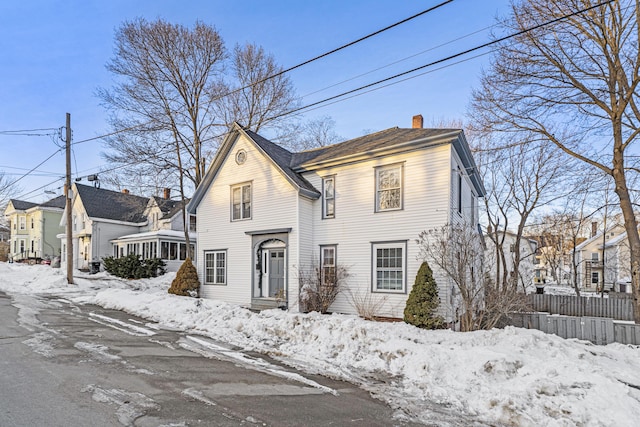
pixel 366 304
pixel 319 287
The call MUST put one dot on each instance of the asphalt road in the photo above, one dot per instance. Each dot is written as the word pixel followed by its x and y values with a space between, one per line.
pixel 69 365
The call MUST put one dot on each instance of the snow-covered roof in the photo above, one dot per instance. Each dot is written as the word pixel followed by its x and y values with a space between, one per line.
pixel 174 234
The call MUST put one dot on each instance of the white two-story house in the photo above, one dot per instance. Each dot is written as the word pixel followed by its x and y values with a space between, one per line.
pixel 266 214
pixel 111 223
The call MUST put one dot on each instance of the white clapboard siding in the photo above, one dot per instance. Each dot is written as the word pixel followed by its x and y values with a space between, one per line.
pixel 274 205
pixel 426 204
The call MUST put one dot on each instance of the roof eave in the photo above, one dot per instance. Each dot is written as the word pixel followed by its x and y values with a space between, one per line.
pixel 413 144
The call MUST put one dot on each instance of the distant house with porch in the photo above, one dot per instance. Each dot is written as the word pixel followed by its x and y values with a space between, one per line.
pixel 603 260
pixel 34 227
pixel 110 223
pixel 267 216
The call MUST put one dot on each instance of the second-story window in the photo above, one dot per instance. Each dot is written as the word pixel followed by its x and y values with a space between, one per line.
pixel 32 223
pixel 329 197
pixel 241 202
pixel 192 223
pixel 389 188
pixel 23 223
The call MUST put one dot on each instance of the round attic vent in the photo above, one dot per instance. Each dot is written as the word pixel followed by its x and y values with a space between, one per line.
pixel 241 156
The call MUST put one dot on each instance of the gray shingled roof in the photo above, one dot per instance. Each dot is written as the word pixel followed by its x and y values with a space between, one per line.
pixel 283 158
pixel 368 143
pixel 168 207
pixel 107 204
pixel 57 202
pixel 21 205
pixel 294 164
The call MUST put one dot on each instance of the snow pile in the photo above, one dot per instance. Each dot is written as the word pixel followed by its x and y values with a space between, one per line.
pixel 505 377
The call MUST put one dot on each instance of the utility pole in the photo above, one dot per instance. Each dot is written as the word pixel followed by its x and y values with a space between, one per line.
pixel 67 195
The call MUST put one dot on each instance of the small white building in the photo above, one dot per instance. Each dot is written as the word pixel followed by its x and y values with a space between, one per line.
pixel 501 263
pixel 265 214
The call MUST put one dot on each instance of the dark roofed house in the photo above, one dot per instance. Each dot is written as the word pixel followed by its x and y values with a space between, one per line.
pixel 266 215
pixel 112 223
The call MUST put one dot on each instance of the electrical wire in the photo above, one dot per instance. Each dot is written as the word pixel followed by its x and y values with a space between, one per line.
pixel 439 61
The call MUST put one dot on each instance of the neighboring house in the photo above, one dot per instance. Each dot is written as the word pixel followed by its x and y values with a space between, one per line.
pixel 5 236
pixel 267 215
pixel 603 260
pixel 34 228
pixel 163 236
pixel 527 271
pixel 110 223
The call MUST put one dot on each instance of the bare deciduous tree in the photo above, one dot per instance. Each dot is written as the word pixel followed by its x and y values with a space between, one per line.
pixel 574 83
pixel 258 92
pixel 170 105
pixel 520 179
pixel 307 135
pixel 457 251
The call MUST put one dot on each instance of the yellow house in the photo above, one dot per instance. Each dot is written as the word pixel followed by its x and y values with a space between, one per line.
pixel 34 228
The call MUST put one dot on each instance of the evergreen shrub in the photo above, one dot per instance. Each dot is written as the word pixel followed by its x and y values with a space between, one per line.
pixel 186 282
pixel 132 267
pixel 423 301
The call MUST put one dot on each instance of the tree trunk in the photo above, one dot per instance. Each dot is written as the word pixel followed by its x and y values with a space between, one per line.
pixel 630 225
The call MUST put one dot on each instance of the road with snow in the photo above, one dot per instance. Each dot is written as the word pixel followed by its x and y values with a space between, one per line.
pixel 63 364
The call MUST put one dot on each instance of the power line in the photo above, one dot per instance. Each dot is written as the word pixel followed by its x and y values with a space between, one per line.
pixel 36 167
pixel 439 61
pixel 344 46
pixel 400 60
pixel 28 132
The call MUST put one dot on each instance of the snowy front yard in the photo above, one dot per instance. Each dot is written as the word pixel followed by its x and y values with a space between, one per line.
pixel 512 377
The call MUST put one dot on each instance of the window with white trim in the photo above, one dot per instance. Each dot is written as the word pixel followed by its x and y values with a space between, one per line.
pixel 389 270
pixel 215 267
pixel 328 264
pixel 241 202
pixel 329 197
pixel 595 277
pixel 23 223
pixel 389 188
pixel 32 223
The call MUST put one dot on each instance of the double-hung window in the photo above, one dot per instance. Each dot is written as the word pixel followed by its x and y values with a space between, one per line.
pixel 328 264
pixel 389 188
pixel 389 266
pixel 23 223
pixel 215 267
pixel 329 197
pixel 241 202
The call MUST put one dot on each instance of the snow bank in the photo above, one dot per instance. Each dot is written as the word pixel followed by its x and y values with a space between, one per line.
pixel 506 377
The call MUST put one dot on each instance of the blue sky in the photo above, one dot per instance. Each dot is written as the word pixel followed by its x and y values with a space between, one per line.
pixel 54 55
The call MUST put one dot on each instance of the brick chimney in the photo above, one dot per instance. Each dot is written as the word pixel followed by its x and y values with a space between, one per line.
pixel 125 191
pixel 594 228
pixel 417 122
pixel 167 193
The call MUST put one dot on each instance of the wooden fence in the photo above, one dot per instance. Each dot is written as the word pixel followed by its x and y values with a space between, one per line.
pixel 615 308
pixel 598 330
